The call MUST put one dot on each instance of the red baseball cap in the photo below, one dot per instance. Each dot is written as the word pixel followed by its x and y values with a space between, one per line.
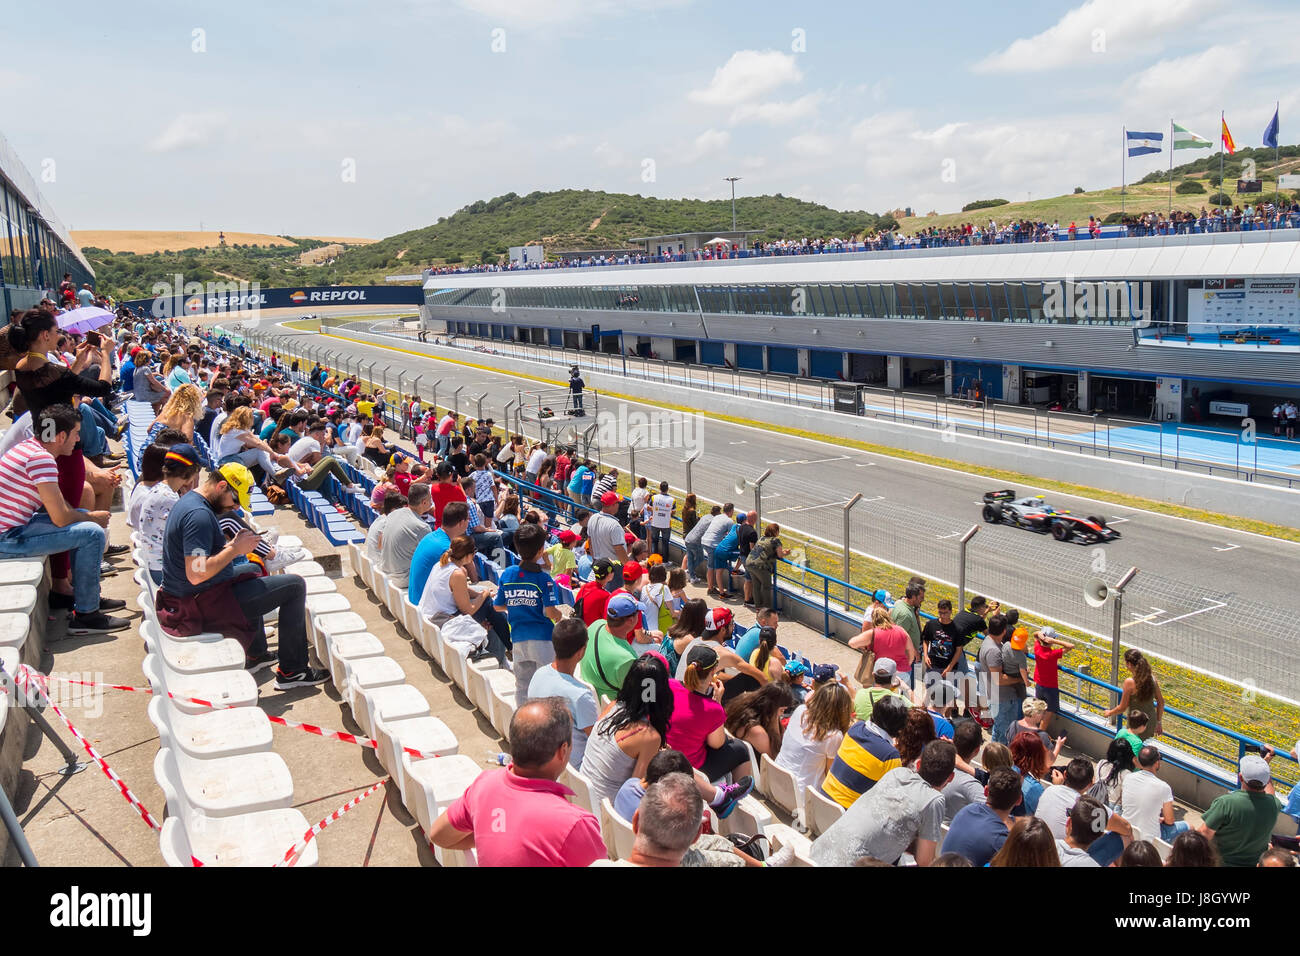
pixel 567 537
pixel 718 619
pixel 610 498
pixel 632 570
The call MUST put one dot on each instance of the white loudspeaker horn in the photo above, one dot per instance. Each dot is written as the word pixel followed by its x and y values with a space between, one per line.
pixel 1095 592
pixel 741 486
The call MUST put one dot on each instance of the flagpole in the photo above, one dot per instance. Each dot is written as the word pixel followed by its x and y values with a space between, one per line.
pixel 1123 167
pixel 1171 166
pixel 1222 147
pixel 1277 145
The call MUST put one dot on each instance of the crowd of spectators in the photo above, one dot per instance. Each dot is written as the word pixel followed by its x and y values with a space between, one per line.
pixel 1218 219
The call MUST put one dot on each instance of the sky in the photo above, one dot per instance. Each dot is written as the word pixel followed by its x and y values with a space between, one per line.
pixel 368 119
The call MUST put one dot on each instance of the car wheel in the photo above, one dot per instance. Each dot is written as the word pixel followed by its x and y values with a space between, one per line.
pixel 1099 522
pixel 1062 531
pixel 992 515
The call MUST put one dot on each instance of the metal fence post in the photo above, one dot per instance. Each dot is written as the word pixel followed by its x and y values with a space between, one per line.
pixel 399 395
pixel 848 552
pixel 690 461
pixel 961 565
pixel 455 399
pixel 434 401
pixel 506 417
pixel 631 457
pixel 480 405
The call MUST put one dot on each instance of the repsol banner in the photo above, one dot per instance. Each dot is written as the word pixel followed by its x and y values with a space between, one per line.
pixel 178 300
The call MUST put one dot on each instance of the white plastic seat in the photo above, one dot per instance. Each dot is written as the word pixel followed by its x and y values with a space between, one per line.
pixel 354 557
pixel 324 628
pixel 345 647
pixel 368 673
pixel 410 616
pixel 229 688
pixel 226 786
pixel 820 810
pixel 583 795
pixel 9 659
pixel 192 656
pixel 288 541
pixel 428 735
pixel 14 629
pixel 396 702
pixel 618 833
pixel 430 638
pixel 207 733
pixel 779 835
pixel 250 839
pixel 394 597
pixel 369 573
pixel 318 605
pixel 320 585
pixel 305 569
pixel 433 785
pixel 218 733
pixel 475 686
pixel 748 817
pixel 503 705
pixel 780 786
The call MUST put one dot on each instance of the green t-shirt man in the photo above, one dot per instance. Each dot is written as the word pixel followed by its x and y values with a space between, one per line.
pixel 1242 822
pixel 905 617
pixel 865 700
pixel 608 654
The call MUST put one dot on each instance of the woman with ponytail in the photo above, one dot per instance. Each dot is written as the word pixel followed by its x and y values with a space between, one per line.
pixel 1141 692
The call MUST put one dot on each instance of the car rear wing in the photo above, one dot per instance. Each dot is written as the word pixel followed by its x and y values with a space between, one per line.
pixel 1006 494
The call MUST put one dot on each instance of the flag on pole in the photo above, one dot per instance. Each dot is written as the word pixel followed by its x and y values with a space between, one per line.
pixel 1146 142
pixel 1186 139
pixel 1228 144
pixel 1270 133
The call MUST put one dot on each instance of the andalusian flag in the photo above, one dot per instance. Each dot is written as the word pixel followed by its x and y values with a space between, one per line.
pixel 1228 144
pixel 1186 139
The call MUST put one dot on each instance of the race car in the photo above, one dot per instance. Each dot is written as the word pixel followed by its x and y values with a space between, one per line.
pixel 1033 513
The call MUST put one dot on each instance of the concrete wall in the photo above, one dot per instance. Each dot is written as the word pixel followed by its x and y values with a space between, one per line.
pixel 1208 492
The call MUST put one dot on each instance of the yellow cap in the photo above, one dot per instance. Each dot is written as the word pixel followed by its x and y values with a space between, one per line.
pixel 240 480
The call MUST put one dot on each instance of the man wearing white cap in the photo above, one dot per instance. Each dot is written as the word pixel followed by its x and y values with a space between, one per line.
pixel 1240 823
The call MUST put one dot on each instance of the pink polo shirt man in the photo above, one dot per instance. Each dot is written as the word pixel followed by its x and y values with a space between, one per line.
pixel 525 821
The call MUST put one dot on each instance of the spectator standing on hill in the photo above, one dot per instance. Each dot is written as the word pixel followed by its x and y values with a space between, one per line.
pixel 904 614
pixel 662 507
pixel 606 534
pixel 695 544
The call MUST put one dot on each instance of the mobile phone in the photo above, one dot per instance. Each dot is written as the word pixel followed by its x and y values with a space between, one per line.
pixel 92 338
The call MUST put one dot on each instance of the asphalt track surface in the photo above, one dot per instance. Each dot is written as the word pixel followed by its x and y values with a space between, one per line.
pixel 1215 598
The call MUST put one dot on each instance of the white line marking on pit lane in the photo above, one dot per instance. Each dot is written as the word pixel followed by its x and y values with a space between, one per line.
pixel 1143 618
pixel 955 534
pixel 741 442
pixel 801 508
pixel 1212 605
pixel 1231 547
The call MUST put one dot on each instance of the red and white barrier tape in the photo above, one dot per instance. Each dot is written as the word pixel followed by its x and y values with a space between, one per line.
pixel 294 853
pixel 358 739
pixel 34 680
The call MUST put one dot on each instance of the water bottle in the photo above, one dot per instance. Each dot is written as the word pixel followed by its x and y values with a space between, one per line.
pixel 496 758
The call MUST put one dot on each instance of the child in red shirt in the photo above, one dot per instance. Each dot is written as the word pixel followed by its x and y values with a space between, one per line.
pixel 1048 651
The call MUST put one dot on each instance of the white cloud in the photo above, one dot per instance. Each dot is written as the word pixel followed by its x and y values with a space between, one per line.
pixel 1097 29
pixel 709 142
pixel 186 130
pixel 778 112
pixel 811 145
pixel 748 75
pixel 609 155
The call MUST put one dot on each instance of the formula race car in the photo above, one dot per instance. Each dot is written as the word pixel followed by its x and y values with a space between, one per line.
pixel 1034 514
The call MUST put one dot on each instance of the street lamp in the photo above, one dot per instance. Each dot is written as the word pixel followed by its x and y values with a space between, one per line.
pixel 732 180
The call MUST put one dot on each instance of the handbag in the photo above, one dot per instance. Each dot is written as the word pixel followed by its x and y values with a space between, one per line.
pixel 464 634
pixel 862 674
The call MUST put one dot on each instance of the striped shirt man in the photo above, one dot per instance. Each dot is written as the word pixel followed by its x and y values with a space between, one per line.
pixel 865 755
pixel 22 468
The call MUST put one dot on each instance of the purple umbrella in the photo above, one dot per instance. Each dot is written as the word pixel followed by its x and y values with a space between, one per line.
pixel 83 320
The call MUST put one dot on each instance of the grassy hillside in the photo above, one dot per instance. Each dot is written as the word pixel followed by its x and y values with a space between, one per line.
pixel 583 219
pixel 1149 194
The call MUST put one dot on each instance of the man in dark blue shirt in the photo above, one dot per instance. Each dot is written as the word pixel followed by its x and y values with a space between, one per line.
pixel 978 830
pixel 196 558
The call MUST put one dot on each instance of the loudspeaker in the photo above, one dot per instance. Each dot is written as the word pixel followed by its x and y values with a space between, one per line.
pixel 741 486
pixel 1095 592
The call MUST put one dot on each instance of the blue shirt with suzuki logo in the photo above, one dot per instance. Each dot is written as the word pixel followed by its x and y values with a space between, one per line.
pixel 524 595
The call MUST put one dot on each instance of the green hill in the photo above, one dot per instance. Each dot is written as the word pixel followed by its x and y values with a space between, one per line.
pixel 583 219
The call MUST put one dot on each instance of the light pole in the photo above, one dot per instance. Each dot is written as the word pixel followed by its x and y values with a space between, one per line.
pixel 732 180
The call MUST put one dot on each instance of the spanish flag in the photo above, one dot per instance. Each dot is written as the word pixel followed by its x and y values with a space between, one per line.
pixel 1228 144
